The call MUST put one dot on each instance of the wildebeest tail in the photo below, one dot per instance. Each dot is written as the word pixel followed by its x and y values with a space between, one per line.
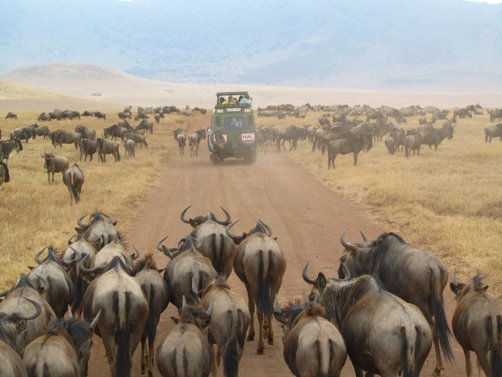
pixel 496 351
pixel 73 188
pixel 441 327
pixel 323 360
pixel 118 154
pixel 218 249
pixel 123 360
pixel 407 359
pixel 264 299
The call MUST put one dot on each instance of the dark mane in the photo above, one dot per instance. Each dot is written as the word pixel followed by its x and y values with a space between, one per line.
pixel 382 237
pixel 146 263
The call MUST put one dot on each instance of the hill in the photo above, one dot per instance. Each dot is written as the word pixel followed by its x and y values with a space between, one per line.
pixel 377 45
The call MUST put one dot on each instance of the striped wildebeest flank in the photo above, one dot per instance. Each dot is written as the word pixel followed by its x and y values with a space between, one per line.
pixel 23 301
pixel 493 131
pixel 7 146
pixel 186 350
pixel 260 264
pixel 416 275
pixel 52 280
pixel 60 137
pixel 313 346
pixel 73 178
pixel 383 334
pixel 157 295
pixel 4 172
pixel 358 139
pixel 107 147
pixel 477 326
pixel 124 313
pixel 188 271
pixel 100 229
pixel 194 141
pixel 212 241
pixel 229 324
pixel 54 164
pixel 63 351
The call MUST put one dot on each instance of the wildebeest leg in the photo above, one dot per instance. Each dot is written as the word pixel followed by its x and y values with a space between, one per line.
pixel 358 371
pixel 216 361
pixel 108 342
pixel 251 332
pixel 355 158
pixel 468 364
pixel 270 333
pixel 484 364
pixel 261 345
pixel 143 356
pixel 439 361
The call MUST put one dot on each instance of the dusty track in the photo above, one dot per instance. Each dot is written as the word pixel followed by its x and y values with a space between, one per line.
pixel 306 217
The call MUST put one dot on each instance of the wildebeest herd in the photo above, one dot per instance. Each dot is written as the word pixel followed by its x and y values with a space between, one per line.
pixel 384 310
pixel 85 139
pixel 349 130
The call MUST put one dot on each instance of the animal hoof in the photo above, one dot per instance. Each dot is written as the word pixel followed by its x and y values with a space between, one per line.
pixel 259 351
pixel 270 341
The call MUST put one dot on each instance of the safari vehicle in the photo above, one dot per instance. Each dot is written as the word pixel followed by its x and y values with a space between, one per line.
pixel 233 128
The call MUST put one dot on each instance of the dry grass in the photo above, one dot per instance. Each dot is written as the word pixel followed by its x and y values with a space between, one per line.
pixel 36 213
pixel 448 201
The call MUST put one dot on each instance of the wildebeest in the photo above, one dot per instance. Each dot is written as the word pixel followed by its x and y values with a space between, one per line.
pixel 493 131
pixel 11 364
pixel 124 312
pixel 99 115
pixel 73 178
pixel 11 115
pixel 360 138
pixel 54 164
pixel 23 300
pixel 260 264
pixel 4 172
pixel 412 143
pixel 7 146
pixel 390 144
pixel 495 114
pixel 107 147
pixel 313 346
pixel 383 333
pixel 60 137
pixel 44 117
pixel 130 148
pixel 114 131
pixel 212 240
pixel 43 131
pixel 180 137
pixel 87 148
pixel 85 132
pixel 24 133
pixel 157 295
pixel 52 281
pixel 194 141
pixel 186 350
pixel 136 137
pixel 291 134
pixel 99 231
pixel 416 275
pixel 229 324
pixel 63 352
pixel 145 125
pixel 188 271
pixel 477 326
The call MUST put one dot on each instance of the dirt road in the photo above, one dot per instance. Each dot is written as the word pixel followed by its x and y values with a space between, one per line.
pixel 306 217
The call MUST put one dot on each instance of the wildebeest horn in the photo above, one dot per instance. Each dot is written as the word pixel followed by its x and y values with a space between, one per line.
pixel 277 306
pixel 454 278
pixel 70 240
pixel 135 255
pixel 38 310
pixel 183 302
pixel 269 229
pixel 82 268
pixel 210 308
pixel 227 221
pixel 305 276
pixel 94 322
pixel 37 255
pixel 347 245
pixel 5 292
pixel 164 250
pixel 182 216
pixel 364 237
pixel 237 239
pixel 80 223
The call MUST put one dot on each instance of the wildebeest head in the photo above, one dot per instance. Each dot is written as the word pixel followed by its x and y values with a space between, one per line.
pixel 184 244
pixel 194 314
pixel 13 325
pixel 260 227
pixel 48 157
pixel 292 313
pixel 196 221
pixel 461 289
